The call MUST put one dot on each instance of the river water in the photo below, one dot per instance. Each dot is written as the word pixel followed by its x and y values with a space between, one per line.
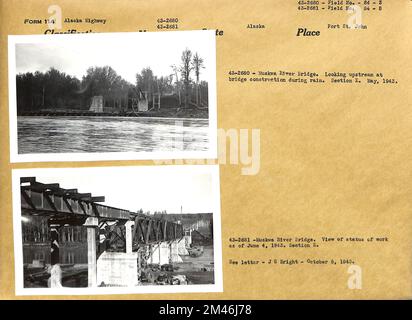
pixel 110 134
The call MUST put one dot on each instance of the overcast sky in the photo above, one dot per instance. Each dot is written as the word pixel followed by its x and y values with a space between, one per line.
pixel 126 53
pixel 154 188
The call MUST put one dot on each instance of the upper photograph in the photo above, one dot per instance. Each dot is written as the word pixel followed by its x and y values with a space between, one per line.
pixel 113 96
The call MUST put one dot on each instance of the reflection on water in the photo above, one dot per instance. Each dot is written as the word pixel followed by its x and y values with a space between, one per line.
pixel 73 261
pixel 70 254
pixel 110 134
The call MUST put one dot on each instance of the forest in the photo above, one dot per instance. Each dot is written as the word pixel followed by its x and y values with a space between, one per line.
pixel 56 90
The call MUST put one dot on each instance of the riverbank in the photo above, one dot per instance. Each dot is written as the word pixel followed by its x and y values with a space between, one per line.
pixel 193 113
pixel 196 271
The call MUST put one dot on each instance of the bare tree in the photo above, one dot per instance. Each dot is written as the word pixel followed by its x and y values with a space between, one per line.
pixel 185 69
pixel 197 64
pixel 175 70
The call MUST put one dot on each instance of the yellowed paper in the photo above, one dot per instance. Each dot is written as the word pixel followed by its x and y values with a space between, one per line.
pixel 314 112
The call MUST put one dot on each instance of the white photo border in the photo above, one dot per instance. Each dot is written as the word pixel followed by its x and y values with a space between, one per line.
pixel 20 290
pixel 15 157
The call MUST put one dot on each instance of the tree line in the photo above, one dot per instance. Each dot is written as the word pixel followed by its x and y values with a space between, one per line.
pixel 55 89
pixel 38 231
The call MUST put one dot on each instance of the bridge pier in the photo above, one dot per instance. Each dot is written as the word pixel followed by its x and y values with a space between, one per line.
pixel 188 237
pixel 161 253
pixel 150 248
pixel 129 236
pixel 164 253
pixel 91 224
pixel 55 280
pixel 181 247
pixel 118 269
pixel 174 252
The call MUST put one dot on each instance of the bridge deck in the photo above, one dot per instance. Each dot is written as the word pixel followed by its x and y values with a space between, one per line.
pixel 69 207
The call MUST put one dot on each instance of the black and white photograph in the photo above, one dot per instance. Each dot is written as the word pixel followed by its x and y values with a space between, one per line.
pixel 113 96
pixel 109 230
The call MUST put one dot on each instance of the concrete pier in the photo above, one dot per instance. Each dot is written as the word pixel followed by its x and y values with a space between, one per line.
pixel 129 236
pixel 55 270
pixel 188 238
pixel 117 269
pixel 181 247
pixel 161 253
pixel 55 280
pixel 91 224
pixel 149 252
pixel 174 252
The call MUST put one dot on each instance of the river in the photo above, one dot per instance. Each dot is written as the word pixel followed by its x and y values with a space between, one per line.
pixel 110 134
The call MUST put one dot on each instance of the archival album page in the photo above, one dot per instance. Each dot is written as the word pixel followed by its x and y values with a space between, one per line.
pixel 205 149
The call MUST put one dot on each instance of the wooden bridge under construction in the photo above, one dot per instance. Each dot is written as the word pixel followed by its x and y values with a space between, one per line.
pixel 114 235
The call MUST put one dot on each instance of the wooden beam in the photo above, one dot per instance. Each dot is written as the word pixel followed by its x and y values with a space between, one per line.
pixel 69 191
pixel 82 196
pixel 51 200
pixel 51 186
pixel 27 179
pixel 98 199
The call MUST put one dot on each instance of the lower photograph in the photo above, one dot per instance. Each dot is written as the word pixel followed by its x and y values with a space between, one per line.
pixel 117 230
